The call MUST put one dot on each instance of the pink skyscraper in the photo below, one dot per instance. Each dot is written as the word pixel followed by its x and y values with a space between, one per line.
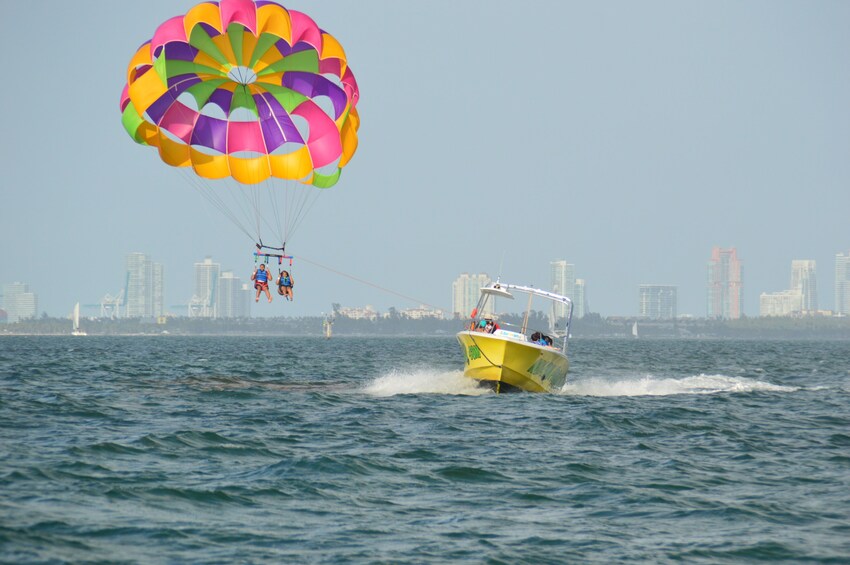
pixel 725 285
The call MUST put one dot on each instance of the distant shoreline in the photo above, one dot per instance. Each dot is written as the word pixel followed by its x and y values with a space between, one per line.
pixel 593 326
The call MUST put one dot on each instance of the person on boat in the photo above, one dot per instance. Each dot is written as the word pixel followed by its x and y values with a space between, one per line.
pixel 488 325
pixel 539 339
pixel 261 280
pixel 473 325
pixel 284 285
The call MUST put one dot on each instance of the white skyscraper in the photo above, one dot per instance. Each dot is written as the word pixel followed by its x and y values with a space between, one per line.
pixel 157 293
pixel 144 287
pixel 783 303
pixel 842 283
pixel 18 302
pixel 657 301
pixel 564 282
pixel 804 281
pixel 580 300
pixel 206 289
pixel 465 293
pixel 801 298
pixel 233 298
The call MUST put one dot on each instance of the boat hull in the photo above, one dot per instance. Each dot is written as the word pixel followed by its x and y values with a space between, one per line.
pixel 497 361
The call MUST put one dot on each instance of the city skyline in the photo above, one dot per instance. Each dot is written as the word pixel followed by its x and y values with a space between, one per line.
pixel 219 293
pixel 718 123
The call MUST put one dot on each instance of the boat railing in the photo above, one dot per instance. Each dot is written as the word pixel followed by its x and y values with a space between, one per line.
pixel 552 336
pixel 514 331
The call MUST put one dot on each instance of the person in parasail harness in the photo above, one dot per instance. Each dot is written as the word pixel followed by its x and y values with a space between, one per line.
pixel 284 285
pixel 261 279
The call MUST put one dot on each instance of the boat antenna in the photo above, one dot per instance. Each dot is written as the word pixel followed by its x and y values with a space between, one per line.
pixel 527 312
pixel 501 264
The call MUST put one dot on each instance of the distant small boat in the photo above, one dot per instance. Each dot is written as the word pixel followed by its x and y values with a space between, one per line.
pixel 508 359
pixel 75 330
pixel 327 326
pixel 635 330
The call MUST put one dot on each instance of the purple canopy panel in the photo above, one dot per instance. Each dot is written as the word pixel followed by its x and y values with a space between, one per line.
pixel 311 86
pixel 180 51
pixel 284 47
pixel 302 46
pixel 222 99
pixel 158 109
pixel 211 31
pixel 211 133
pixel 276 123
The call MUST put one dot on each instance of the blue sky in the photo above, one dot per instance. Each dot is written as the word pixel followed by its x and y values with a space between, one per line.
pixel 628 138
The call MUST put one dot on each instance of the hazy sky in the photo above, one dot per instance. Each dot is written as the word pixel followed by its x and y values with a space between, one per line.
pixel 626 137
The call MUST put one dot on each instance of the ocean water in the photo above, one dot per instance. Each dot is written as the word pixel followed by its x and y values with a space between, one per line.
pixel 375 450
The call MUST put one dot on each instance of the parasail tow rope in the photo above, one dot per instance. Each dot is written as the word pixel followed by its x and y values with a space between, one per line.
pixel 367 283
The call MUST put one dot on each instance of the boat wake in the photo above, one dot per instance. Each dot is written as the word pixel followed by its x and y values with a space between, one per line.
pixel 424 381
pixel 220 383
pixel 653 386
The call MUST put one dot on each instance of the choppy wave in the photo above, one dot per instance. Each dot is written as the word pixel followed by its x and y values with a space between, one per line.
pixel 424 381
pixel 653 386
pixel 379 450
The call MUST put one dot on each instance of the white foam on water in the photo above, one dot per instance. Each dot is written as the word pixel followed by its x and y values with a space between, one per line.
pixel 653 386
pixel 424 381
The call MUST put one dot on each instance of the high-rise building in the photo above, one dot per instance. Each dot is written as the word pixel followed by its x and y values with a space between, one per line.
pixel 804 281
pixel 144 287
pixel 18 302
pixel 784 303
pixel 842 283
pixel 580 300
pixel 564 281
pixel 563 277
pixel 157 294
pixel 233 298
pixel 466 290
pixel 657 301
pixel 203 303
pixel 725 285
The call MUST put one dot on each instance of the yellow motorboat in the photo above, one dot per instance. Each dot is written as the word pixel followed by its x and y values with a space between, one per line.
pixel 508 358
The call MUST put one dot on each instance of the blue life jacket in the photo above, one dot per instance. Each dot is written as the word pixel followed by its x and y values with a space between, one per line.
pixel 285 281
pixel 262 275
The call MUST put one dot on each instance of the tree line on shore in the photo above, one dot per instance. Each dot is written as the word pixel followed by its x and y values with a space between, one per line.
pixel 592 325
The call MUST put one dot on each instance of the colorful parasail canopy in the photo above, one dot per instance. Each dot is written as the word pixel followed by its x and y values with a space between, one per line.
pixel 244 89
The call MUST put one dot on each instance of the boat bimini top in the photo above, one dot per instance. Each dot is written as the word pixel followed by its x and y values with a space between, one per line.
pixel 504 290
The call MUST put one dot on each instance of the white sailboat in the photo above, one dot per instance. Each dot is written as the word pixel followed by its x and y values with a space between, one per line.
pixel 76 318
pixel 635 330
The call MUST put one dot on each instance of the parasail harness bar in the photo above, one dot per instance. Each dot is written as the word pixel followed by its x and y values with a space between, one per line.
pixel 261 255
